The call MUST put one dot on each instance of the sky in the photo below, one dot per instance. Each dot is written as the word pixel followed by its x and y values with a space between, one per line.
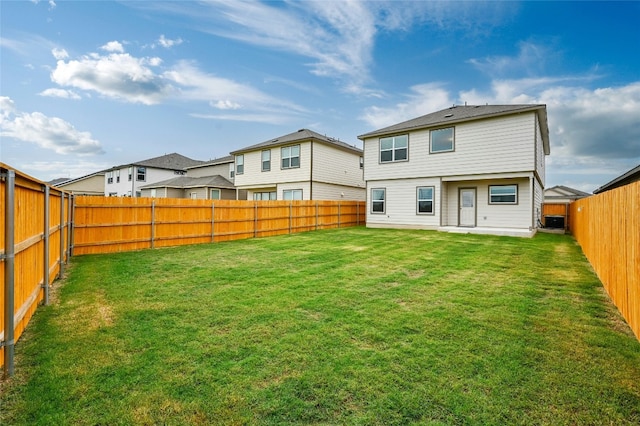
pixel 87 85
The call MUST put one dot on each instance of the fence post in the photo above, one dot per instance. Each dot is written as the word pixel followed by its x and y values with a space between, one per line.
pixel 9 276
pixel 316 215
pixel 45 282
pixel 338 214
pixel 255 220
pixel 290 215
pixel 153 219
pixel 71 213
pixel 61 260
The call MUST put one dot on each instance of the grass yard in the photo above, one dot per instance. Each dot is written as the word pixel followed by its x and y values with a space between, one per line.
pixel 348 326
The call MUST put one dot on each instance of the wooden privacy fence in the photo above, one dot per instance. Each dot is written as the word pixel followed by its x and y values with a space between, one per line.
pixel 110 224
pixel 607 227
pixel 34 247
pixel 557 209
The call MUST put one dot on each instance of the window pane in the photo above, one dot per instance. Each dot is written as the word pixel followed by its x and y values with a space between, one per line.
pixel 273 196
pixel 295 151
pixel 425 206
pixel 286 151
pixel 503 194
pixel 401 141
pixel 377 207
pixel 386 143
pixel 287 195
pixel 266 155
pixel 377 194
pixel 401 154
pixel 442 140
pixel 285 163
pixel 425 193
pixel 295 161
pixel 386 156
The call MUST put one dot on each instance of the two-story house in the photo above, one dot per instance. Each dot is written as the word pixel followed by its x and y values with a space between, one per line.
pixel 474 169
pixel 128 179
pixel 210 180
pixel 303 165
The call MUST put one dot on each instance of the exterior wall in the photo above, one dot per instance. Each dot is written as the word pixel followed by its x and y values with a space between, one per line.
pixel 492 215
pixel 327 191
pixel 128 187
pixel 498 145
pixel 305 186
pixel 401 204
pixel 540 157
pixel 201 193
pixel 335 166
pixel 93 185
pixel 254 177
pixel 218 169
pixel 537 204
pixel 174 193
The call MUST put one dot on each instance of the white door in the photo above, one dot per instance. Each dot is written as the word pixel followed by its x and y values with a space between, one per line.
pixel 467 207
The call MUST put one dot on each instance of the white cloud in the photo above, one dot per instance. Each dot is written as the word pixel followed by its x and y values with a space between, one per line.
pixel 49 170
pixel 60 93
pixel 531 60
pixel 113 46
pixel 226 104
pixel 51 133
pixel 117 75
pixel 59 53
pixel 168 43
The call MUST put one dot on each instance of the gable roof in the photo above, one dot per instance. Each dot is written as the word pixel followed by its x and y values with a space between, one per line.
pixel 66 181
pixel 462 113
pixel 181 182
pixel 624 179
pixel 565 192
pixel 173 161
pixel 215 162
pixel 300 136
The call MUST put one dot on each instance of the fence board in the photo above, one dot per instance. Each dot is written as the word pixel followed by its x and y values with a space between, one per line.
pixel 607 227
pixel 557 209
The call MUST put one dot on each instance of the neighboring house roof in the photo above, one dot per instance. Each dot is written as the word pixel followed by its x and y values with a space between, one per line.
pixel 561 191
pixel 624 179
pixel 172 161
pixel 215 162
pixel 66 181
pixel 463 113
pixel 182 182
pixel 299 136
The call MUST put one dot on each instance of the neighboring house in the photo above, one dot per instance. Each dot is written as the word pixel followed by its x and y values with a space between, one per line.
pixel 560 194
pixel 474 169
pixel 202 188
pixel 92 184
pixel 303 165
pixel 128 179
pixel 631 176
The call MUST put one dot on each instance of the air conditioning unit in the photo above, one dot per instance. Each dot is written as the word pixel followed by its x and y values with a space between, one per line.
pixel 554 221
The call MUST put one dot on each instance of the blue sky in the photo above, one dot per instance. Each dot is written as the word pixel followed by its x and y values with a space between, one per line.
pixel 87 85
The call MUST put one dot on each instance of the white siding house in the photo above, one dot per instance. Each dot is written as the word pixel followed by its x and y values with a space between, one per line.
pixel 463 169
pixel 128 179
pixel 303 165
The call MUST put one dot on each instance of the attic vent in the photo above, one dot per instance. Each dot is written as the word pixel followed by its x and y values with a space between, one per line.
pixel 448 115
pixel 275 140
pixel 301 130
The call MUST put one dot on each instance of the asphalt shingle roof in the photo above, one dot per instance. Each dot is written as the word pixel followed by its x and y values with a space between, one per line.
pixel 215 181
pixel 299 136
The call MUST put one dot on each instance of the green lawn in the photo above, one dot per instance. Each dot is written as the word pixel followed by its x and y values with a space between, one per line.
pixel 348 326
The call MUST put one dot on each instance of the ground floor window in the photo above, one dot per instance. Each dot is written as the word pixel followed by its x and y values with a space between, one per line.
pixel 425 199
pixel 292 194
pixel 378 200
pixel 503 194
pixel 272 195
pixel 215 194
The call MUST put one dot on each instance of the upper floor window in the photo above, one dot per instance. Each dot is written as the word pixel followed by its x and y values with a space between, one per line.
pixel 130 173
pixel 141 173
pixel 109 177
pixel 378 200
pixel 425 199
pixel 291 157
pixel 266 160
pixel 117 176
pixel 292 194
pixel 231 170
pixel 362 162
pixel 239 164
pixel 394 148
pixel 503 194
pixel 442 140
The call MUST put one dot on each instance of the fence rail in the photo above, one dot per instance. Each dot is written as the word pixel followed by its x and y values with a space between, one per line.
pixel 109 224
pixel 607 227
pixel 34 247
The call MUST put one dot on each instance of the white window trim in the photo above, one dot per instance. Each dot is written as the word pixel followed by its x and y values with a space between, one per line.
pixel 383 201
pixel 453 140
pixel 515 185
pixel 433 200
pixel 290 157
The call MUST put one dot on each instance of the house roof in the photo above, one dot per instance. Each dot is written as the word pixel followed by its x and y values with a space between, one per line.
pixel 215 162
pixel 624 179
pixel 66 181
pixel 565 192
pixel 463 113
pixel 215 181
pixel 57 181
pixel 300 136
pixel 173 161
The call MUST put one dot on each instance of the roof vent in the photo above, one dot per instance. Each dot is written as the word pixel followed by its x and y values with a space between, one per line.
pixel 302 130
pixel 448 115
